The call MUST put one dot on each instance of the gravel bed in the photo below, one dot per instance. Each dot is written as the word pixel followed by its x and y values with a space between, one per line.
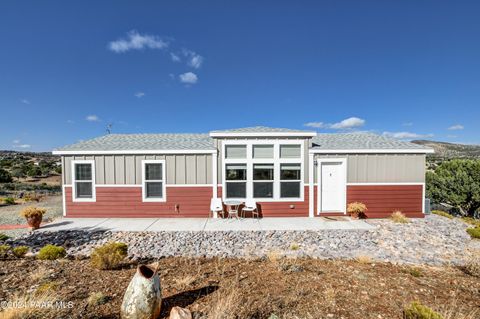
pixel 433 240
pixel 10 215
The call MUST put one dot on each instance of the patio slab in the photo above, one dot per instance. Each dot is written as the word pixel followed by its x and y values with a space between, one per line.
pixel 204 224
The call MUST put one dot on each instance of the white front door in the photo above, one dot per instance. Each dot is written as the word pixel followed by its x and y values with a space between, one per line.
pixel 331 181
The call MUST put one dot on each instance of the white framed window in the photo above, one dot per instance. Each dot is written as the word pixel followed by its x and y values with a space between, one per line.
pixel 83 181
pixel 153 181
pixel 267 170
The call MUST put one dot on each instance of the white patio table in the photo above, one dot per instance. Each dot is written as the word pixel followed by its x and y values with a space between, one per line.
pixel 233 205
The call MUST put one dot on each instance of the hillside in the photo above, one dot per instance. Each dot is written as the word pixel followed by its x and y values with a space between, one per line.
pixel 450 150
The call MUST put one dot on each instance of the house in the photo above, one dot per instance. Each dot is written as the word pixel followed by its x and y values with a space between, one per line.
pixel 288 172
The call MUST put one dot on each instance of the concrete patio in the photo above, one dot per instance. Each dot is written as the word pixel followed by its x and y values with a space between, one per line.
pixel 205 224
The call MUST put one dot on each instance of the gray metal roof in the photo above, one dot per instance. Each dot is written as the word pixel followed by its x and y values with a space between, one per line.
pixel 131 142
pixel 361 141
pixel 261 129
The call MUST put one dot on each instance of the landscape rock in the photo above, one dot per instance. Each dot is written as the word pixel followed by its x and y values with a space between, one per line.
pixel 180 313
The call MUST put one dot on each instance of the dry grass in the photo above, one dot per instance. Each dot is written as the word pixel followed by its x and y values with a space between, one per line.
pixel 453 310
pixel 185 282
pixel 97 298
pixel 398 217
pixel 226 305
pixel 40 274
pixel 472 263
pixel 30 306
pixel 364 259
pixel 294 246
pixel 274 256
pixel 47 287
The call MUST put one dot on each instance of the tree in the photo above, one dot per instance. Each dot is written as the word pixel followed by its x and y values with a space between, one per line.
pixel 457 183
pixel 5 176
pixel 34 171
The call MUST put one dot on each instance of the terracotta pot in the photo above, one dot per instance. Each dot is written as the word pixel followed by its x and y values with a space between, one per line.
pixel 143 298
pixel 34 221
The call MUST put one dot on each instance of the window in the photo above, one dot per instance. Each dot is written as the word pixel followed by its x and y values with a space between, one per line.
pixel 290 180
pixel 263 180
pixel 290 151
pixel 236 180
pixel 153 186
pixel 83 173
pixel 263 169
pixel 236 151
pixel 262 151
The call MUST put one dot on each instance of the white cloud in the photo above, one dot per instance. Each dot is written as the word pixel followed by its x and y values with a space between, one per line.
pixel 188 78
pixel 22 146
pixel 315 124
pixel 406 135
pixel 137 41
pixel 346 124
pixel 407 124
pixel 25 101
pixel 139 94
pixel 16 141
pixel 174 57
pixel 195 60
pixel 456 127
pixel 92 118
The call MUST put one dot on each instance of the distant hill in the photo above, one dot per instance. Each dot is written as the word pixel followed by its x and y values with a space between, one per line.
pixel 450 150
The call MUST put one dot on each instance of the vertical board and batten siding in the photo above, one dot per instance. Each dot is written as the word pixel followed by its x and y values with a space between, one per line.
pixel 127 169
pixel 219 142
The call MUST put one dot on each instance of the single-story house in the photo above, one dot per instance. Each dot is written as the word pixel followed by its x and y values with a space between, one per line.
pixel 288 173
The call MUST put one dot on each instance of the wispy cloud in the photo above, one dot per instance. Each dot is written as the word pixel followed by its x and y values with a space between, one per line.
pixel 174 57
pixel 139 94
pixel 70 121
pixel 188 78
pixel 407 124
pixel 16 141
pixel 406 135
pixel 346 124
pixel 92 118
pixel 16 144
pixel 456 127
pixel 194 59
pixel 25 101
pixel 137 41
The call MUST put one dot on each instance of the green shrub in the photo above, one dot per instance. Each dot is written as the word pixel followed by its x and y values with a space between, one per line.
pixel 51 252
pixel 442 213
pixel 9 200
pixel 20 251
pixel 109 256
pixel 415 272
pixel 474 232
pixel 472 221
pixel 418 311
pixel 4 249
pixel 3 237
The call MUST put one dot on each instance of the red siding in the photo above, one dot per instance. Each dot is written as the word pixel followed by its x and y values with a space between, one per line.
pixel 382 200
pixel 127 202
pixel 282 209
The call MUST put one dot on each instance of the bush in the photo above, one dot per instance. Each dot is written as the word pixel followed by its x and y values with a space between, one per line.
pixel 20 251
pixel 442 213
pixel 474 232
pixel 4 249
pixel 471 221
pixel 399 217
pixel 97 298
pixel 418 311
pixel 32 211
pixel 108 256
pixel 51 252
pixel 5 176
pixel 32 197
pixel 3 237
pixel 9 200
pixel 357 209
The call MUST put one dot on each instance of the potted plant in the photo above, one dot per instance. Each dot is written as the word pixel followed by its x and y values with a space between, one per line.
pixel 33 215
pixel 356 210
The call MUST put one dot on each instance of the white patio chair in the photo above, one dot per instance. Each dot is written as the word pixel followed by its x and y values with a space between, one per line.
pixel 250 206
pixel 216 206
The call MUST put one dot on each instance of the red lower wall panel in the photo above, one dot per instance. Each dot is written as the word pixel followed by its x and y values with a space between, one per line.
pixel 382 200
pixel 127 202
pixel 282 209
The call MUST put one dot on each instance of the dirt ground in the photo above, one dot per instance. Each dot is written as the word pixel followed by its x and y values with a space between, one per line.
pixel 239 288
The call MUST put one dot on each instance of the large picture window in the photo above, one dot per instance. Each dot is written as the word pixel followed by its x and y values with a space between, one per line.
pixel 153 181
pixel 269 170
pixel 83 174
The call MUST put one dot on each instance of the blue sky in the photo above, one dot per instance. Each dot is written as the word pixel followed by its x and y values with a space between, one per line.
pixel 409 69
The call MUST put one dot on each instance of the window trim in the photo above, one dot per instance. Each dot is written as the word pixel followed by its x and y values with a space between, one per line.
pixel 144 181
pixel 289 180
pixel 74 182
pixel 276 161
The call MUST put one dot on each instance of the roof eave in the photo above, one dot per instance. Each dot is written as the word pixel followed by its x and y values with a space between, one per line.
pixel 121 152
pixel 372 151
pixel 263 134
